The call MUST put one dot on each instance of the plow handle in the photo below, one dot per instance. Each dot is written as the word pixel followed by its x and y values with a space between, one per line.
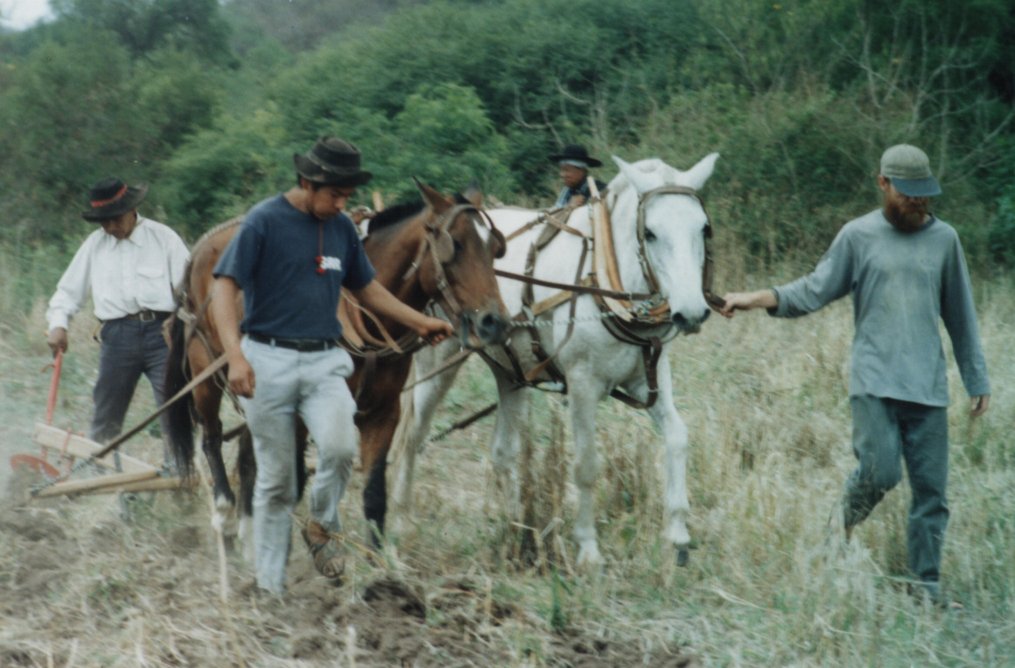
pixel 54 384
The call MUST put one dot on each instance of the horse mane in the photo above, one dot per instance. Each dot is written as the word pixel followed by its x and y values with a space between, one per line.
pixel 232 222
pixel 401 211
pixel 394 214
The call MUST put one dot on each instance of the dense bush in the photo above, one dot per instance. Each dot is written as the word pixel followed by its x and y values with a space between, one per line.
pixel 1001 234
pixel 208 101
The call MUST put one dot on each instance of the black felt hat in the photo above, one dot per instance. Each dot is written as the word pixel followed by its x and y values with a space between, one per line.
pixel 575 153
pixel 111 198
pixel 332 162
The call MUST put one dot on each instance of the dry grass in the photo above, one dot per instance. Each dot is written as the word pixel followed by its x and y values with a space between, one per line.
pixel 770 582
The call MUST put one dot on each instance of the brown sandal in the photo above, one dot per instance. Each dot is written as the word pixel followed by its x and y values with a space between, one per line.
pixel 326 550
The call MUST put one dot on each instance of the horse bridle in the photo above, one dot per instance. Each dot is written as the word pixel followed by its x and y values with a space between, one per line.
pixel 656 309
pixel 440 246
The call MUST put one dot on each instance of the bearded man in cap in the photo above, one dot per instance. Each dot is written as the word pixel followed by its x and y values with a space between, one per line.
pixel 573 164
pixel 906 271
pixel 130 267
pixel 293 254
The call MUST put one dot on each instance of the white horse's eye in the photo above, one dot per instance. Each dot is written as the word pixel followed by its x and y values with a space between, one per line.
pixel 650 235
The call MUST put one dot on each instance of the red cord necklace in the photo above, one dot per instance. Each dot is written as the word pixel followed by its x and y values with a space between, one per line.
pixel 319 260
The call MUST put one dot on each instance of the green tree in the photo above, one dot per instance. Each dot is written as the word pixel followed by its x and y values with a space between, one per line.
pixel 220 172
pixel 67 120
pixel 449 141
pixel 143 26
pixel 558 70
pixel 302 25
pixel 175 95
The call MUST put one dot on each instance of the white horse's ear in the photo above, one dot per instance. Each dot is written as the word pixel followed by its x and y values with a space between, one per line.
pixel 696 176
pixel 642 182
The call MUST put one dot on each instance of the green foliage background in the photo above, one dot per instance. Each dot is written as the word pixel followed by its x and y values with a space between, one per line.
pixel 208 100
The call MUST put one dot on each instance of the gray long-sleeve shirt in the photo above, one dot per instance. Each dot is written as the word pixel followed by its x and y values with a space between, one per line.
pixel 902 284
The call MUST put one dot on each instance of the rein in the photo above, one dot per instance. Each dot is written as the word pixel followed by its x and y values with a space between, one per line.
pixel 570 287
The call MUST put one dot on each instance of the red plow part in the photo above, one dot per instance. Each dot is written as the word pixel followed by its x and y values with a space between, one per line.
pixel 34 463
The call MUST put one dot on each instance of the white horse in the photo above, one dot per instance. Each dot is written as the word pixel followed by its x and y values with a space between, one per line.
pixel 593 361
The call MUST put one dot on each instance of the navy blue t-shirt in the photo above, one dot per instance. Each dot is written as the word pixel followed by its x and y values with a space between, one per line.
pixel 291 267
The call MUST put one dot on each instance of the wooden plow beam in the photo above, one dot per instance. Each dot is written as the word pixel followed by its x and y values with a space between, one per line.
pixel 128 474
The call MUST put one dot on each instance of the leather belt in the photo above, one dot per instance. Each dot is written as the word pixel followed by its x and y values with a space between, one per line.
pixel 299 345
pixel 147 315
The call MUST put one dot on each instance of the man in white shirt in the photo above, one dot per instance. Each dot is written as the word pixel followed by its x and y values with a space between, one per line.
pixel 130 268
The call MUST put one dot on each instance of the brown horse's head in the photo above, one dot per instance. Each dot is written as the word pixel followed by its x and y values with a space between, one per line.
pixel 455 266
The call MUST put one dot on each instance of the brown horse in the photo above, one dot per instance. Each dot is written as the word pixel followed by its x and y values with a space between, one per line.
pixel 439 251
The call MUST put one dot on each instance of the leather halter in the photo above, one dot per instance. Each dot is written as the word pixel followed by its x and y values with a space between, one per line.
pixel 646 266
pixel 633 330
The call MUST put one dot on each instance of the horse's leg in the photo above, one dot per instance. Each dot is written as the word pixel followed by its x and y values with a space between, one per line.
pixel 207 401
pixel 584 391
pixel 375 432
pixel 247 469
pixel 179 417
pixel 302 440
pixel 207 398
pixel 512 416
pixel 674 434
pixel 425 398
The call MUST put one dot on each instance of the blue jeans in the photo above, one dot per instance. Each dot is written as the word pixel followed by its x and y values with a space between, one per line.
pixel 887 432
pixel 311 385
pixel 129 348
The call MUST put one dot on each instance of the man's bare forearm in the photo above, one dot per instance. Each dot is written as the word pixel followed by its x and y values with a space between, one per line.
pixel 745 301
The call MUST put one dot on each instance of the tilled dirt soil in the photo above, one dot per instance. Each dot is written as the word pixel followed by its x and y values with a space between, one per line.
pixel 94 581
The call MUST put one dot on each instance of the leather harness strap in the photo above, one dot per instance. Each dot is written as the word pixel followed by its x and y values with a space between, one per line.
pixel 621 319
pixel 553 218
pixel 583 286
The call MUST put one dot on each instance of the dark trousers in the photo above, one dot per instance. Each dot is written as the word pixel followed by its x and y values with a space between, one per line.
pixel 887 432
pixel 129 348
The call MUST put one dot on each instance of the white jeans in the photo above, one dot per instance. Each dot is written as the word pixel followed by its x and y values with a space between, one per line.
pixel 311 385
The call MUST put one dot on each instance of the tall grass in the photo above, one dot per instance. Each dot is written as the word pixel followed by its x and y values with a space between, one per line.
pixel 771 581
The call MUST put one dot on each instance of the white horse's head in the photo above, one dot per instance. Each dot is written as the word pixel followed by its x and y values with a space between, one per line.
pixel 675 228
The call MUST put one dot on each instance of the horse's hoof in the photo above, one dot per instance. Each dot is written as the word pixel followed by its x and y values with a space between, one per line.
pixel 589 558
pixel 245 534
pixel 683 556
pixel 218 521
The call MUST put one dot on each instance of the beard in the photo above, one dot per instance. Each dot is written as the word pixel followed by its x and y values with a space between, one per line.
pixel 906 216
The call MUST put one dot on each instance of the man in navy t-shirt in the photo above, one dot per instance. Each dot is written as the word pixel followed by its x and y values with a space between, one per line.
pixel 291 257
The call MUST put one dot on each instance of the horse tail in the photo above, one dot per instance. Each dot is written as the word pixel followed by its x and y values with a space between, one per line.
pixel 180 415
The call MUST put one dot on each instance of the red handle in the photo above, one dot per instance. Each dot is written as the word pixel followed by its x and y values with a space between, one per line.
pixel 54 383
